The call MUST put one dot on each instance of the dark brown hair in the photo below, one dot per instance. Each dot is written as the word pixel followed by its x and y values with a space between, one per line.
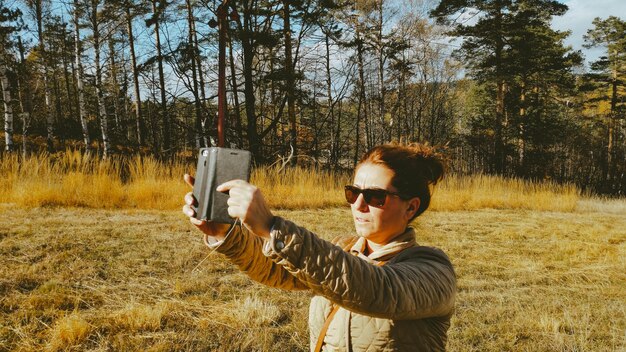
pixel 416 167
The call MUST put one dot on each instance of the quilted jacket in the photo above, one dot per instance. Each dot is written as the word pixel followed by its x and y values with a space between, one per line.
pixel 405 305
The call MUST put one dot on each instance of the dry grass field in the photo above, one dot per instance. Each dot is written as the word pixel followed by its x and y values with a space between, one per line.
pixel 97 256
pixel 140 280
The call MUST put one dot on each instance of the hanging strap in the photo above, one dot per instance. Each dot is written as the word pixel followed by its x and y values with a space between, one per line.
pixel 335 308
pixel 329 319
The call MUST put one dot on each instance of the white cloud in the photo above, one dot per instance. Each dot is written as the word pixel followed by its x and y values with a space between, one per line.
pixel 579 17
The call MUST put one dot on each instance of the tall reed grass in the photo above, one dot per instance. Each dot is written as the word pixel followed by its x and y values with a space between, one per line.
pixel 76 179
pixel 299 187
pixel 483 191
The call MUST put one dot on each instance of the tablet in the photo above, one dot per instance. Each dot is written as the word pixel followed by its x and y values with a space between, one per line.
pixel 216 166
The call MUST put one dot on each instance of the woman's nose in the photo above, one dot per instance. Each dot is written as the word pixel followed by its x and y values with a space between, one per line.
pixel 361 205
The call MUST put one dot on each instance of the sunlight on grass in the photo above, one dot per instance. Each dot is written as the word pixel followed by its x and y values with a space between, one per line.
pixel 300 188
pixel 81 279
pixel 76 179
pixel 256 312
pixel 69 331
pixel 482 191
pixel 139 317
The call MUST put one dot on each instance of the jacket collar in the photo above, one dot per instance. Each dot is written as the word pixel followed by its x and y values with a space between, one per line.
pixel 388 251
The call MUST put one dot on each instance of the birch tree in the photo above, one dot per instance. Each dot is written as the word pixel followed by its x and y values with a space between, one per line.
pixel 25 98
pixel 10 23
pixel 8 110
pixel 82 112
pixel 95 23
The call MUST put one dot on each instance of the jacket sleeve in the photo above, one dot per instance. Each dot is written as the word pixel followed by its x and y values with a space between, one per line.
pixel 418 283
pixel 245 250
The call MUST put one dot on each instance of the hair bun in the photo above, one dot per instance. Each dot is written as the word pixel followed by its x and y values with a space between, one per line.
pixel 431 160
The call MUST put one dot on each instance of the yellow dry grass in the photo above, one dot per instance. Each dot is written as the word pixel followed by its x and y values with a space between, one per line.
pixel 75 179
pixel 139 317
pixel 68 331
pixel 140 280
pixel 483 191
pixel 540 266
pixel 313 188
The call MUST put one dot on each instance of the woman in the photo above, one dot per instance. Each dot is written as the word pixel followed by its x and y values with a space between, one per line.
pixel 378 291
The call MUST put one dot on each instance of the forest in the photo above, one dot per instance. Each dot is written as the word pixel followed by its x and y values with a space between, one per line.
pixel 318 82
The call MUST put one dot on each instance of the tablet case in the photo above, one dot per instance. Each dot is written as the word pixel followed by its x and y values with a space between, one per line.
pixel 216 166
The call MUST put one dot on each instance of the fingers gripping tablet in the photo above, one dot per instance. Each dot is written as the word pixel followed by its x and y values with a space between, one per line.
pixel 216 166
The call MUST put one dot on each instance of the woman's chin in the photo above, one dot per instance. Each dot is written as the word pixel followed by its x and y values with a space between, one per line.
pixel 362 230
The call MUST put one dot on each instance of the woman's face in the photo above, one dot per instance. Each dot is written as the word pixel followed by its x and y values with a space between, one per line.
pixel 380 225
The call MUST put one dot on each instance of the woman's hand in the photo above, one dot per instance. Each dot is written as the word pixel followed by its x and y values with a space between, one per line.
pixel 247 203
pixel 212 229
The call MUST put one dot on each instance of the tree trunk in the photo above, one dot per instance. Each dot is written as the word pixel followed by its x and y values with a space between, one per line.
pixel 128 131
pixel 198 130
pixel 381 71
pixel 115 85
pixel 247 43
pixel 166 121
pixel 104 126
pixel 498 163
pixel 334 142
pixel 154 128
pixel 612 122
pixel 291 107
pixel 154 125
pixel 133 57
pixel 57 99
pixel 67 76
pixel 42 51
pixel 203 101
pixel 25 100
pixel 403 128
pixel 79 79
pixel 521 136
pixel 8 110
pixel 337 136
pixel 316 130
pixel 233 77
pixel 362 109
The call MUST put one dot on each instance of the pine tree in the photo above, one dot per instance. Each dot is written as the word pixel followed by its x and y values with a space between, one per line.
pixel 609 76
pixel 541 69
pixel 485 51
pixel 512 51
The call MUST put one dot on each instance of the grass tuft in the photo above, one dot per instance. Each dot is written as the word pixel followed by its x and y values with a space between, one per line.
pixel 69 331
pixel 255 311
pixel 139 317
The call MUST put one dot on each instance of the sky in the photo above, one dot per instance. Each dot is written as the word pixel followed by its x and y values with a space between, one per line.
pixel 579 17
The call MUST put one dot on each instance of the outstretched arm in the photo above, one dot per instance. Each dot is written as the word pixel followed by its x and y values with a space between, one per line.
pixel 239 245
pixel 418 283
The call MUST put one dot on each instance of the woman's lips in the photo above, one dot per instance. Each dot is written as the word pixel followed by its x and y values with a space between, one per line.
pixel 358 219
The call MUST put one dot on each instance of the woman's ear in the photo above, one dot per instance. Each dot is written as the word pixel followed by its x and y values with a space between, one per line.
pixel 414 204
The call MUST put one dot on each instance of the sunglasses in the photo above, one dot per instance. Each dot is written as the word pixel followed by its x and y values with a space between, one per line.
pixel 375 197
